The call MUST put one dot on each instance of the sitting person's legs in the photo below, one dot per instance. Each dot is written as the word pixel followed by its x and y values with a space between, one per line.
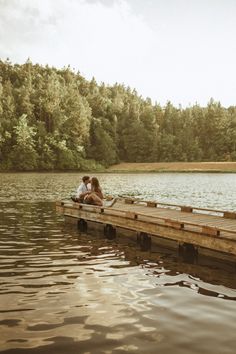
pixel 93 199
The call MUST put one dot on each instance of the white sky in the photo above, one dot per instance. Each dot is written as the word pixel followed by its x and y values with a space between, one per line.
pixel 178 50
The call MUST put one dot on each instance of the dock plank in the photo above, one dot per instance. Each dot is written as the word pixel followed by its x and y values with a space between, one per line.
pixel 189 216
pixel 189 225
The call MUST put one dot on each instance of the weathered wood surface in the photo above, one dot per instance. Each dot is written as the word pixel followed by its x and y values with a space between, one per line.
pixel 216 230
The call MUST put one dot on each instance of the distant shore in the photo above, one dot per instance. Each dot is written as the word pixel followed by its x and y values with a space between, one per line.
pixel 136 167
pixel 174 167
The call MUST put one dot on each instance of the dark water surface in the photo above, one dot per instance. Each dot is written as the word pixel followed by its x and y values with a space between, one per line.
pixel 66 292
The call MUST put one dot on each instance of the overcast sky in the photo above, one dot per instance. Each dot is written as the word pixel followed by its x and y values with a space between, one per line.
pixel 178 50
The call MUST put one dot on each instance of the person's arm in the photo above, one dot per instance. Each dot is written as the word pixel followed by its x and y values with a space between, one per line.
pixel 81 193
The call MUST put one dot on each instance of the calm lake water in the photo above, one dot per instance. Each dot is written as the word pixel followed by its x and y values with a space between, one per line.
pixel 66 292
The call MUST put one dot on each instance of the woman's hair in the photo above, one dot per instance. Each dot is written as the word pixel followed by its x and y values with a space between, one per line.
pixel 95 184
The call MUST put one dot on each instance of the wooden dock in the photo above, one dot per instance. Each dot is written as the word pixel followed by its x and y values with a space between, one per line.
pixel 210 229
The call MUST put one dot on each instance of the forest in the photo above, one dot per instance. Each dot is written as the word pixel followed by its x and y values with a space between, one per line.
pixel 55 119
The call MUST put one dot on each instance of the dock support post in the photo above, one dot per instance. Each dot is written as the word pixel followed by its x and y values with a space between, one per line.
pixel 144 240
pixel 82 225
pixel 188 252
pixel 109 232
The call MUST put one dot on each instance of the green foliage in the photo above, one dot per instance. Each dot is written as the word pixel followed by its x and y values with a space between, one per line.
pixel 22 159
pixel 90 165
pixel 102 147
pixel 23 155
pixel 56 119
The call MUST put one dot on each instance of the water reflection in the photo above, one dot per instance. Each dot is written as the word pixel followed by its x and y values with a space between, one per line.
pixel 62 291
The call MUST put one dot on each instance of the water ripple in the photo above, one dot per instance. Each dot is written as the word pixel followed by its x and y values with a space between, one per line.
pixel 63 291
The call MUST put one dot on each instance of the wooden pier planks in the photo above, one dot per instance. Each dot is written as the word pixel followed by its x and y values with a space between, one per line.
pixel 186 217
pixel 183 225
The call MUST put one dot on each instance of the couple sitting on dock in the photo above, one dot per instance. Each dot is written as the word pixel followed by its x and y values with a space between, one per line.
pixel 89 192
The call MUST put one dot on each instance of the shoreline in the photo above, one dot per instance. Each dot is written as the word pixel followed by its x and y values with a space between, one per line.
pixel 152 167
pixel 169 171
pixel 174 167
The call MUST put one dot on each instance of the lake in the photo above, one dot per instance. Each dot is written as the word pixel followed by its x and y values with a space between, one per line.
pixel 66 292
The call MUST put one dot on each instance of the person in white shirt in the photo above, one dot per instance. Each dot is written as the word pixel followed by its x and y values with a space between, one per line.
pixel 82 190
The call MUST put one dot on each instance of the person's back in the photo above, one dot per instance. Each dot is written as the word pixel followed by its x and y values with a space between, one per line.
pixel 95 187
pixel 98 191
pixel 96 195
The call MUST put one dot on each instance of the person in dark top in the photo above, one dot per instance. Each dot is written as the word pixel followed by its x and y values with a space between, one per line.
pixel 95 196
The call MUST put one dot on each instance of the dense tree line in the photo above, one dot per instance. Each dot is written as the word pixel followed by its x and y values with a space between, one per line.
pixel 56 119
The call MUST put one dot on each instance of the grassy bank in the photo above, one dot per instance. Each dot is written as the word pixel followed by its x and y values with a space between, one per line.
pixel 174 167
